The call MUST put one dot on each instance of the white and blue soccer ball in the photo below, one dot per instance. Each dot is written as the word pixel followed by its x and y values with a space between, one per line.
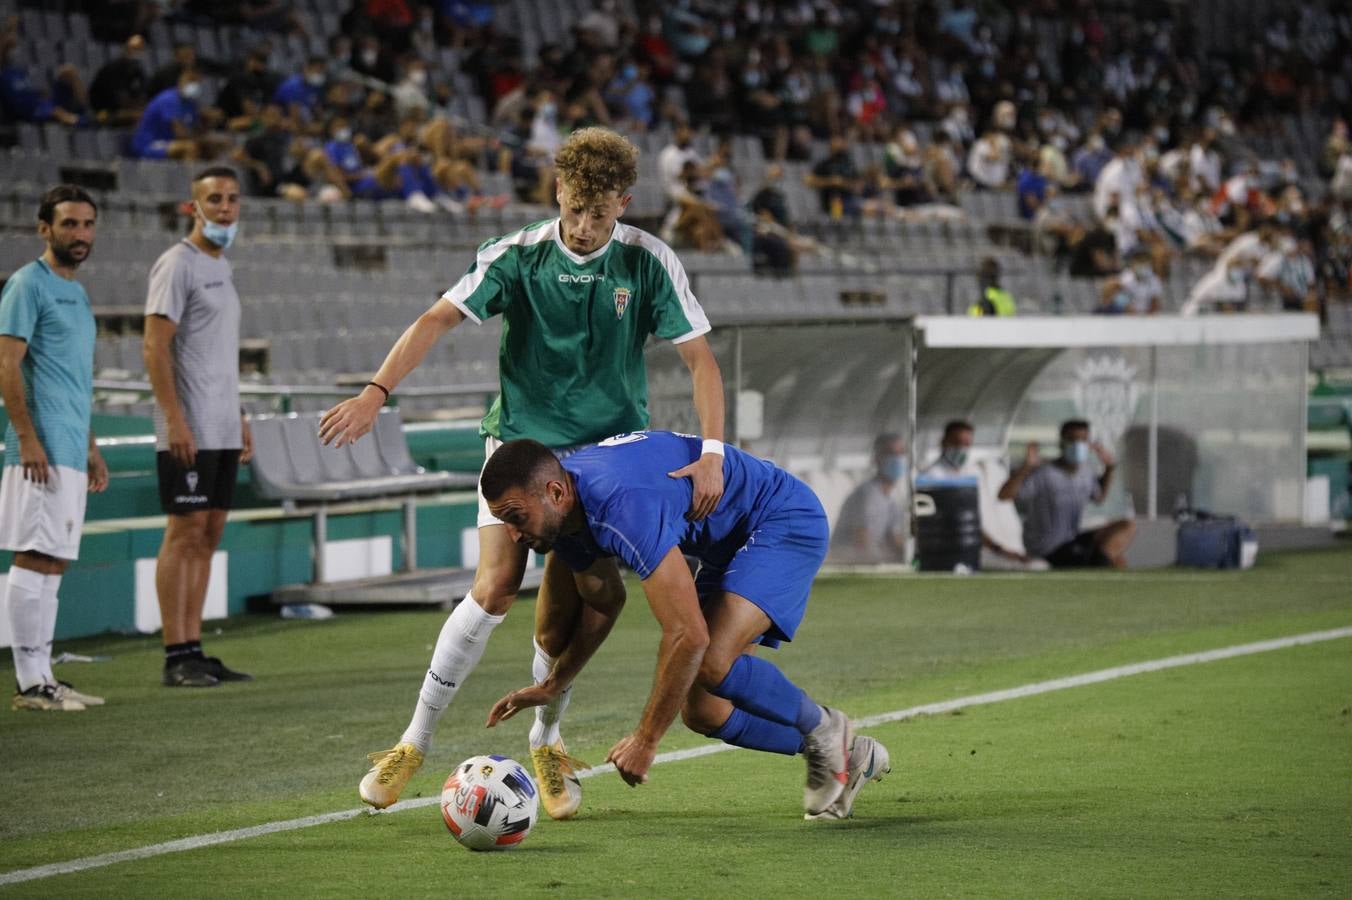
pixel 490 803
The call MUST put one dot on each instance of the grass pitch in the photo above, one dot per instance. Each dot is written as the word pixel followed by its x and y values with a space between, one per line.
pixel 1231 778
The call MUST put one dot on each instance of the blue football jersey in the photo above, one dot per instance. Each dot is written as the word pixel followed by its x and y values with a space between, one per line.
pixel 636 512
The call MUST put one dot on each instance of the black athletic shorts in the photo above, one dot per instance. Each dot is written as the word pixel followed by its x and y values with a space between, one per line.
pixel 1079 552
pixel 209 484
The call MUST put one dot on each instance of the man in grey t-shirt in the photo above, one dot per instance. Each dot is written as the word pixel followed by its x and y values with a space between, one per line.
pixel 192 359
pixel 872 525
pixel 1052 497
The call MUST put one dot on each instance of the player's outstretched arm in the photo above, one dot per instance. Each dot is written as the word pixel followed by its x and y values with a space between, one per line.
pixel 602 594
pixel 671 594
pixel 355 416
pixel 705 473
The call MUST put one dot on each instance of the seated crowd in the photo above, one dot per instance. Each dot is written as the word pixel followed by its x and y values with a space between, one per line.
pixel 1151 118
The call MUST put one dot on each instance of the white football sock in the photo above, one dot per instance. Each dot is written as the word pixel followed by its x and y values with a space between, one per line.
pixel 50 585
pixel 23 600
pixel 459 647
pixel 545 731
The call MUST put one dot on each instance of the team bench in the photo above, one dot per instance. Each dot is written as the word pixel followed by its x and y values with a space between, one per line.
pixel 291 465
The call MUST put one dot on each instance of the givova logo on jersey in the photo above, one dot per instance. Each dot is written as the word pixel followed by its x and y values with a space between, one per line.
pixel 622 295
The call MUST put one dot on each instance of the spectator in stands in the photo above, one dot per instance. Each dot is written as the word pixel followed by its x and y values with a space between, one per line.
pixel 192 361
pixel 1052 497
pixel 942 169
pixel 528 167
pixel 169 74
pixel 51 459
pixel 872 526
pixel 267 156
pixel 118 92
pixel 411 95
pixel 68 92
pixel 904 165
pixel 722 192
pixel 545 134
pixel 370 59
pixel 672 159
pixel 837 181
pixel 1189 224
pixel 341 150
pixel 1204 163
pixel 775 248
pixel 340 69
pixel 1088 161
pixel 20 100
pixel 1295 281
pixel 692 220
pixel 1051 162
pixel 1118 181
pixel 631 97
pixel 957 124
pixel 989 161
pixel 955 448
pixel 168 127
pixel 1136 290
pixel 299 94
pixel 250 89
pixel 993 300
pixel 1092 252
pixel 1032 188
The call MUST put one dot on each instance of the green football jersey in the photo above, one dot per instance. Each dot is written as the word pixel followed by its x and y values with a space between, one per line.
pixel 571 362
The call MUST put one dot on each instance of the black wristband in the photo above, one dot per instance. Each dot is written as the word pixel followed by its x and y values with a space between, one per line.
pixel 384 390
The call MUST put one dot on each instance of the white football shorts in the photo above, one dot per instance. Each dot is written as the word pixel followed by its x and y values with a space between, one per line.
pixel 46 518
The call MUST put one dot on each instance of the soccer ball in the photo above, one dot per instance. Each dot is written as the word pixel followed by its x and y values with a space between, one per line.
pixel 490 803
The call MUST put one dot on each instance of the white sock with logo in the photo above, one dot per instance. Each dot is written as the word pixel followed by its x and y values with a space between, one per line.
pixel 459 647
pixel 545 731
pixel 50 585
pixel 23 603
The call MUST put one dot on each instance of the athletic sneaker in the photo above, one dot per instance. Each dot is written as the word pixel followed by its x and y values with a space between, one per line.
pixel 827 748
pixel 189 671
pixel 80 696
pixel 390 771
pixel 555 770
pixel 214 666
pixel 46 697
pixel 868 762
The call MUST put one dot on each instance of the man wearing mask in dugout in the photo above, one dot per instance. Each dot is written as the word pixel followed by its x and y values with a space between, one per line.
pixel 872 525
pixel 1052 497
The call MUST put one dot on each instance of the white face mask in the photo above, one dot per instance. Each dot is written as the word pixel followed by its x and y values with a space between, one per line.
pixel 418 77
pixel 192 90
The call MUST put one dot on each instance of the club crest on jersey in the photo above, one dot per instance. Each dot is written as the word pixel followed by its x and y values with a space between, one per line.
pixel 621 301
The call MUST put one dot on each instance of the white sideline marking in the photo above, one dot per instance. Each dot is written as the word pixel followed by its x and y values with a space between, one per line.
pixel 1027 690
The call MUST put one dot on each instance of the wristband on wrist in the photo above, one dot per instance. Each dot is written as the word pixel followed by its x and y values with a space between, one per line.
pixel 712 446
pixel 384 390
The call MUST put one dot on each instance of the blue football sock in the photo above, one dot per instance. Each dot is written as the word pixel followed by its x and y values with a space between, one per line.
pixel 742 729
pixel 757 686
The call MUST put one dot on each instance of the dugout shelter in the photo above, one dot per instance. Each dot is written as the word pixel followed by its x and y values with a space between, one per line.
pixel 1206 412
